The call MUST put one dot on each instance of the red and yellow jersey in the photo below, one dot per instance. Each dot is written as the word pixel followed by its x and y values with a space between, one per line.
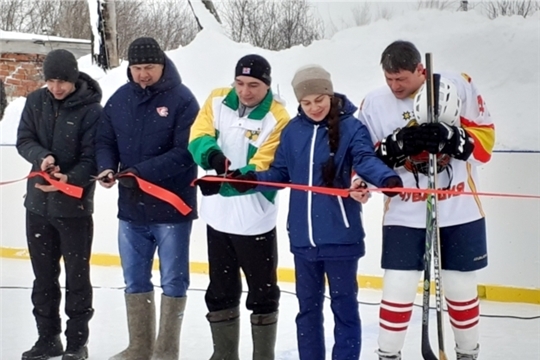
pixel 383 113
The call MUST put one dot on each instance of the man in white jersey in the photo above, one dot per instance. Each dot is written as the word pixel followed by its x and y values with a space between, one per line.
pixel 461 142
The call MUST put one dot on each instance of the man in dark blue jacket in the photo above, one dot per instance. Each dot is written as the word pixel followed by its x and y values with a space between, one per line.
pixel 144 130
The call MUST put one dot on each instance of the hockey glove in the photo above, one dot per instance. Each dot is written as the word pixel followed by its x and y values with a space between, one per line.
pixel 219 162
pixel 391 183
pixel 128 181
pixel 402 143
pixel 208 188
pixel 242 187
pixel 441 138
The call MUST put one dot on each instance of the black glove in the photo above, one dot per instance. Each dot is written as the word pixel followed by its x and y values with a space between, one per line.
pixel 441 138
pixel 400 144
pixel 390 183
pixel 243 187
pixel 208 187
pixel 128 181
pixel 219 162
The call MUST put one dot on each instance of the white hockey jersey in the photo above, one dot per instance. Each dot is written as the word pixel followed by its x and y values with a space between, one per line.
pixel 383 113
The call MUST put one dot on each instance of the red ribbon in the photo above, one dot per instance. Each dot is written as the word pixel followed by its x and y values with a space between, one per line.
pixel 346 192
pixel 67 189
pixel 161 193
pixel 147 187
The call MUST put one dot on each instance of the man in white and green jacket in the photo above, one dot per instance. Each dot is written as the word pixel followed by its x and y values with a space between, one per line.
pixel 238 129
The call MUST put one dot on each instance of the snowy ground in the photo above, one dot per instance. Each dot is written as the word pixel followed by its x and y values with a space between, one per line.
pixel 502 338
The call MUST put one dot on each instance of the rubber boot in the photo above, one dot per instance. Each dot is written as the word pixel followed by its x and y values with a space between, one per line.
pixel 263 332
pixel 225 326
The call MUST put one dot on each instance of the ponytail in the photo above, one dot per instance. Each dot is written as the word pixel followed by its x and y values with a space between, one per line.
pixel 329 168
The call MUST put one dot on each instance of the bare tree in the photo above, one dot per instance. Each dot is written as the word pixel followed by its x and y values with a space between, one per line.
pixel 11 14
pixel 70 11
pixel 273 25
pixel 438 4
pixel 361 14
pixel 523 8
pixel 168 21
pixel 385 13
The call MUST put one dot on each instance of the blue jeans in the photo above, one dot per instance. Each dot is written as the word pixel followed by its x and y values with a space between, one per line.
pixel 137 245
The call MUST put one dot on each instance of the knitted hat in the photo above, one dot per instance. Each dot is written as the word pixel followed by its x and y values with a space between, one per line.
pixel 310 80
pixel 145 50
pixel 61 64
pixel 255 66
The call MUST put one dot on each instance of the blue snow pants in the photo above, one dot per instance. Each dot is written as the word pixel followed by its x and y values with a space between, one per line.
pixel 310 284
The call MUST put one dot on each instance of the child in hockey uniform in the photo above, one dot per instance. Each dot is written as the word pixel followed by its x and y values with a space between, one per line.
pixel 322 146
pixel 462 139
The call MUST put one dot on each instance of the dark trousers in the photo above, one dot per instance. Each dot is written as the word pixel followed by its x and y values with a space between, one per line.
pixel 257 256
pixel 48 240
pixel 310 284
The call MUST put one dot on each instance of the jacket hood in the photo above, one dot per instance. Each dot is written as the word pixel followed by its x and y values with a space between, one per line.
pixel 170 79
pixel 87 92
pixel 347 108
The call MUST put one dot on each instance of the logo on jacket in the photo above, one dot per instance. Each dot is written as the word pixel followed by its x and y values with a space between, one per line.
pixel 253 135
pixel 408 116
pixel 163 111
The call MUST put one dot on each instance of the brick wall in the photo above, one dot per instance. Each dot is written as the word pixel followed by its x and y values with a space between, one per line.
pixel 21 73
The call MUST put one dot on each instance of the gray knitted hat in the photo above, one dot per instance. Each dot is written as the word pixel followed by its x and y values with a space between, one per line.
pixel 310 80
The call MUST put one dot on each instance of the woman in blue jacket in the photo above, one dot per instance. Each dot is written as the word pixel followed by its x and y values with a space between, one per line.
pixel 322 146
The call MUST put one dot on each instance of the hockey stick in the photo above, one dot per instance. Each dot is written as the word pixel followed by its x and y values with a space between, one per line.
pixel 432 232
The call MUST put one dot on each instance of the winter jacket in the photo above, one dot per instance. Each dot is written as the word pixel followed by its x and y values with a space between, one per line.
pixel 64 129
pixel 148 130
pixel 317 220
pixel 249 142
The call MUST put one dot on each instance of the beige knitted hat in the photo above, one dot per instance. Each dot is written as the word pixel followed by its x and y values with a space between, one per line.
pixel 310 80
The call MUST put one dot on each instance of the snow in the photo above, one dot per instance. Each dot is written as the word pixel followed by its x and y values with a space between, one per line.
pixel 502 339
pixel 501 56
pixel 206 19
pixel 12 35
pixel 94 23
pixel 10 122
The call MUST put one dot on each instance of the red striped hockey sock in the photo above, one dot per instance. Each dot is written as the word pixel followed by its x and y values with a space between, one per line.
pixel 399 292
pixel 460 290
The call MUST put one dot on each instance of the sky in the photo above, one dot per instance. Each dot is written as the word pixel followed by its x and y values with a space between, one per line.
pixel 502 56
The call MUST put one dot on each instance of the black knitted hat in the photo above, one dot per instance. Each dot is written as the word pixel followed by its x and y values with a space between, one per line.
pixel 145 50
pixel 255 66
pixel 61 64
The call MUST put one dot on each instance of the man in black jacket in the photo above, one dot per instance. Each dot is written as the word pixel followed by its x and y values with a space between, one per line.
pixel 56 135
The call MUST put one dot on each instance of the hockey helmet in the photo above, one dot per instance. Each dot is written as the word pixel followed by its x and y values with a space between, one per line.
pixel 449 103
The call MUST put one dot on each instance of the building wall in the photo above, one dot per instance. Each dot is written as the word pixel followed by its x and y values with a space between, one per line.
pixel 21 73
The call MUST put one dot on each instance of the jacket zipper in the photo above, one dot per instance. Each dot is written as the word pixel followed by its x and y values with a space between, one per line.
pixel 310 183
pixel 343 213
